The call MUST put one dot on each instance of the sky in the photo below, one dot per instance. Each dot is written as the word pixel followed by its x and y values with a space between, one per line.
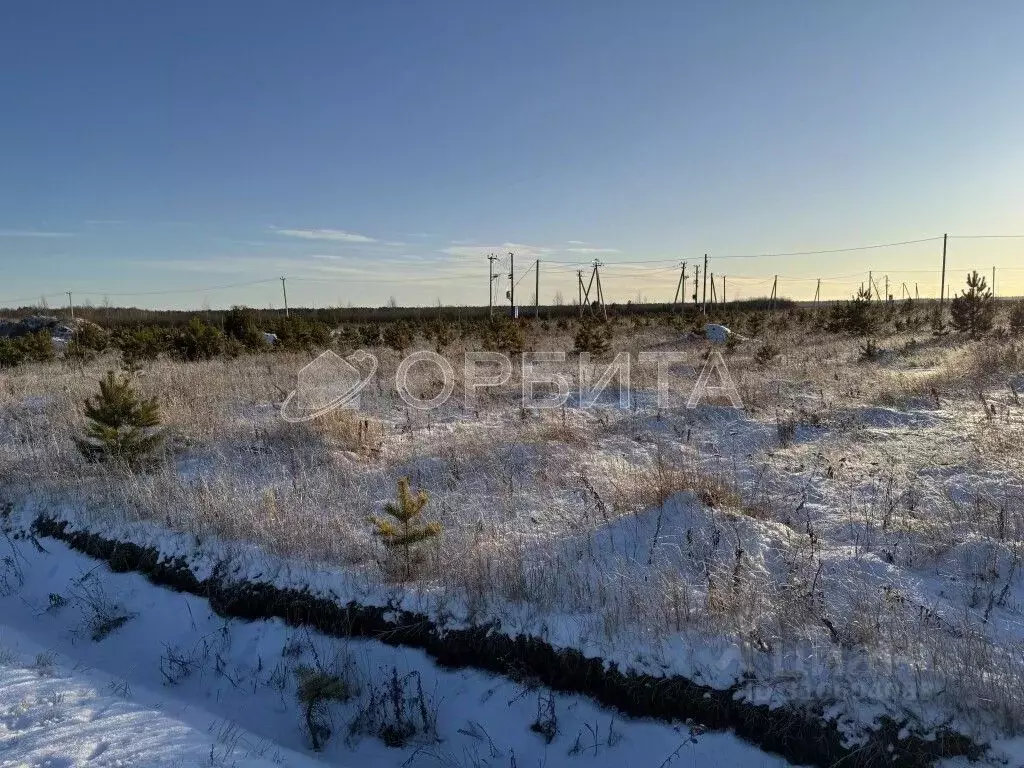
pixel 190 154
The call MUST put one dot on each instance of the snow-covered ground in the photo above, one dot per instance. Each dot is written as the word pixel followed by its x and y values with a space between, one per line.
pixel 105 669
pixel 55 713
pixel 851 541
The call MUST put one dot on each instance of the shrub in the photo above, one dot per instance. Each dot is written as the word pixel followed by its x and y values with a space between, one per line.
pixel 11 353
pixel 38 346
pixel 404 530
pixel 141 345
pixel 198 341
pixel 593 336
pixel 504 335
pixel 442 334
pixel 299 333
pixel 869 350
pixel 239 322
pixel 315 689
pixel 1017 317
pixel 973 311
pixel 121 425
pixel 856 316
pixel 399 336
pixel 766 354
pixel 369 335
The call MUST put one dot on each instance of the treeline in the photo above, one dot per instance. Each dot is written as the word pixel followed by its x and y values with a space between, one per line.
pixel 114 318
pixel 242 330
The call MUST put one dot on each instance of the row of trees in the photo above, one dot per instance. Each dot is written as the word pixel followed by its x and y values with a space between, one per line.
pixel 972 312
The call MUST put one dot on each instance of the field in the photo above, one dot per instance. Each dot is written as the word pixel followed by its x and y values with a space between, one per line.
pixel 847 544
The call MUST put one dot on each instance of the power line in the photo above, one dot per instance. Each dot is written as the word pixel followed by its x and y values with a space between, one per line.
pixel 181 290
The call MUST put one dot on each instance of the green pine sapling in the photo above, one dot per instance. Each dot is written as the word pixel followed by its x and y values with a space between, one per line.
pixel 121 424
pixel 405 530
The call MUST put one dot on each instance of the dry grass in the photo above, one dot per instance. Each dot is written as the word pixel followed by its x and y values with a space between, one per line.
pixel 655 527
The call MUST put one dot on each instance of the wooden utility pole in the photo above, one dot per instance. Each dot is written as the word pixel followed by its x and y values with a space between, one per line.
pixel 874 286
pixel 579 279
pixel 886 289
pixel 491 258
pixel 680 296
pixel 284 292
pixel 993 282
pixel 817 293
pixel 595 279
pixel 713 297
pixel 704 287
pixel 696 287
pixel 917 293
pixel 775 287
pixel 871 284
pixel 942 286
pixel 723 290
pixel 600 291
pixel 536 297
pixel 512 282
pixel 71 306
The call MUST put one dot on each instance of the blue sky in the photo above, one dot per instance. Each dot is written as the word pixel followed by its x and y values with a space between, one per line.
pixel 369 150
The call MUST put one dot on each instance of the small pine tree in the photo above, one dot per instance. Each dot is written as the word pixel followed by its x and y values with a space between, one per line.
pixel 398 335
pixel 1017 317
pixel 198 341
pixel 11 353
pixel 502 334
pixel 973 311
pixel 405 529
pixel 121 425
pixel 38 346
pixel 595 337
pixel 856 316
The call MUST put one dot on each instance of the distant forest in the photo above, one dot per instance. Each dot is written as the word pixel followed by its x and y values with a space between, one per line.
pixel 128 317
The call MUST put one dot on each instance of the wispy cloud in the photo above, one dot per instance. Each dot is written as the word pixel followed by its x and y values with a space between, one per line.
pixel 519 249
pixel 591 249
pixel 33 233
pixel 338 235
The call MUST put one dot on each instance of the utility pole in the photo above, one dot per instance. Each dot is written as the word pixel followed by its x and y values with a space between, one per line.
pixel 917 293
pixel 71 306
pixel 512 282
pixel 595 279
pixel 871 283
pixel 491 258
pixel 775 287
pixel 696 287
pixel 713 297
pixel 817 293
pixel 284 291
pixel 579 279
pixel 993 282
pixel 723 290
pixel 704 288
pixel 680 296
pixel 942 286
pixel 600 291
pixel 874 286
pixel 536 297
pixel 886 289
